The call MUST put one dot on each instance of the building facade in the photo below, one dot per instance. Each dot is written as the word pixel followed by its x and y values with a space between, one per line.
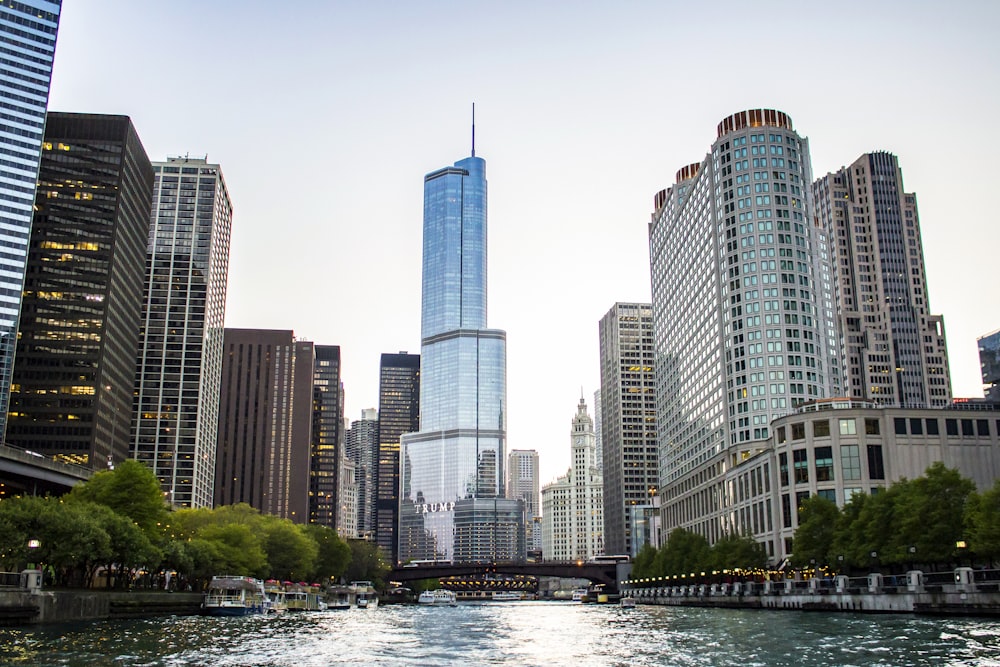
pixel 523 484
pixel 362 449
pixel 398 413
pixel 741 333
pixel 71 395
pixel 265 422
pixel 628 420
pixel 572 506
pixel 989 362
pixel 175 418
pixel 451 496
pixel 894 351
pixel 28 29
pixel 327 480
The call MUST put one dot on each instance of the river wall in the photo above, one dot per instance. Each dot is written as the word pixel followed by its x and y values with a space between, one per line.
pixel 18 607
pixel 964 592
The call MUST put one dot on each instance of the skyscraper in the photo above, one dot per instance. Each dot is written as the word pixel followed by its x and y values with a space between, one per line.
pixel 28 30
pixel 989 362
pixel 523 483
pixel 894 350
pixel 265 422
pixel 740 329
pixel 398 413
pixel 71 396
pixel 325 481
pixel 362 449
pixel 451 498
pixel 573 514
pixel 176 404
pixel 628 420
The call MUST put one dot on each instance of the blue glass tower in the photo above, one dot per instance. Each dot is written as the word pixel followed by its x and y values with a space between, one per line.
pixel 451 501
pixel 28 33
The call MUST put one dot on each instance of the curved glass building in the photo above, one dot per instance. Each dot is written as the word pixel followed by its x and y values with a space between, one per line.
pixel 451 497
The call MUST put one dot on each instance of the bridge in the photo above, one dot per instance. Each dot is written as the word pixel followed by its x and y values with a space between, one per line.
pixel 25 472
pixel 608 574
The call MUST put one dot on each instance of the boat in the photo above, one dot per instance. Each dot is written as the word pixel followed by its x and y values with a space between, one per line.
pixel 304 597
pixel 580 595
pixel 627 602
pixel 507 596
pixel 338 597
pixel 439 597
pixel 235 596
pixel 274 601
pixel 364 594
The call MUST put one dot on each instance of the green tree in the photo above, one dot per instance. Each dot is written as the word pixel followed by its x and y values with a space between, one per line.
pixel 683 553
pixel 815 535
pixel 334 554
pixel 366 563
pixel 982 520
pixel 291 552
pixel 929 515
pixel 129 546
pixel 644 563
pixel 734 551
pixel 239 549
pixel 847 539
pixel 132 490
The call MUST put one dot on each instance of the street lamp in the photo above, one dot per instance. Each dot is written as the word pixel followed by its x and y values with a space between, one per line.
pixel 874 556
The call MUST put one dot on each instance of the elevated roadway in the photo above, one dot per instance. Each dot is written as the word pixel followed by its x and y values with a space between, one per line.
pixel 608 574
pixel 24 472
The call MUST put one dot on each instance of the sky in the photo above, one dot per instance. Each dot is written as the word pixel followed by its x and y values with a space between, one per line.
pixel 326 115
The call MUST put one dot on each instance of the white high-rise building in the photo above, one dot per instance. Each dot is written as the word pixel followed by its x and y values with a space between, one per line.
pixel 28 29
pixel 572 506
pixel 176 407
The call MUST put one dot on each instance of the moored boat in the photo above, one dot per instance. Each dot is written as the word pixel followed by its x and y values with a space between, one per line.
pixel 364 594
pixel 304 597
pixel 274 602
pixel 235 596
pixel 627 602
pixel 507 596
pixel 439 597
pixel 580 595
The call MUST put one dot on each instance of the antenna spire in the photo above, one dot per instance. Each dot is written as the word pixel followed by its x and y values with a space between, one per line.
pixel 473 129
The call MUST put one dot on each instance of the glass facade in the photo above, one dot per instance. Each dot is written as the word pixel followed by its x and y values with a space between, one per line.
pixel 179 371
pixel 989 361
pixel 71 396
pixel 457 458
pixel 28 32
pixel 325 459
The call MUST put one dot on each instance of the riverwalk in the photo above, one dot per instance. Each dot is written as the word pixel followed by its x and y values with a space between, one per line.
pixel 963 591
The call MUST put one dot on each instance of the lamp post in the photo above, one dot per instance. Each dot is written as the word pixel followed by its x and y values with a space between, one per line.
pixel 913 552
pixel 960 549
pixel 874 556
pixel 33 546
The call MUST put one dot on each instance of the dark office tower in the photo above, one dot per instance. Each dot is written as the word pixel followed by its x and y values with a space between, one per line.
pixel 361 445
pixel 176 404
pixel 71 395
pixel 894 349
pixel 989 361
pixel 327 431
pixel 398 413
pixel 28 32
pixel 628 421
pixel 265 422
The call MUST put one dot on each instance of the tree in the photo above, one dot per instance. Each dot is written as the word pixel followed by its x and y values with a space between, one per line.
pixel 684 552
pixel 982 520
pixel 815 535
pixel 132 490
pixel 929 515
pixel 733 551
pixel 239 549
pixel 334 554
pixel 291 552
pixel 366 563
pixel 644 563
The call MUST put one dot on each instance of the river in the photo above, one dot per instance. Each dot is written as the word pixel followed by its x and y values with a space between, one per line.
pixel 540 633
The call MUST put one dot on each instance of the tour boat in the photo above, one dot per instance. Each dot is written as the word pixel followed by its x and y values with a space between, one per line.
pixel 580 595
pixel 274 602
pixel 364 594
pixel 440 596
pixel 627 602
pixel 235 596
pixel 304 597
pixel 506 596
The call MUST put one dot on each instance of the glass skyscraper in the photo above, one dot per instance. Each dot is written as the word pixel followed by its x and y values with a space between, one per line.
pixel 28 32
pixel 451 500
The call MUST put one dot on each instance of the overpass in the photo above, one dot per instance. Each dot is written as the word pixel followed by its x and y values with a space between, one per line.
pixel 28 473
pixel 608 574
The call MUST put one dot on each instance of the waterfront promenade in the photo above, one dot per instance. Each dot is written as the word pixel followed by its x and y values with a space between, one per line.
pixel 963 591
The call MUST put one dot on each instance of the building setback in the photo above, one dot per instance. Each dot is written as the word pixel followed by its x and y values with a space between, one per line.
pixel 265 422
pixel 398 413
pixel 28 31
pixel 893 349
pixel 176 403
pixel 628 420
pixel 71 395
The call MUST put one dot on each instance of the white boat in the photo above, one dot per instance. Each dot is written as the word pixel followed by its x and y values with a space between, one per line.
pixel 627 602
pixel 304 597
pixel 580 595
pixel 364 594
pixel 438 597
pixel 274 602
pixel 235 596
pixel 506 596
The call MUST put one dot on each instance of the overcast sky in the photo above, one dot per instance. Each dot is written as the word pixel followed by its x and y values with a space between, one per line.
pixel 325 116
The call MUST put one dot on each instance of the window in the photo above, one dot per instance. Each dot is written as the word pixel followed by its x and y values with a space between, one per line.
pixel 916 426
pixel 983 428
pixel 783 468
pixel 829 494
pixel 932 427
pixel 821 429
pixel 781 434
pixel 850 492
pixel 824 464
pixel 798 430
pixel 871 427
pixel 786 511
pixel 876 470
pixel 800 463
pixel 951 426
pixel 900 425
pixel 800 497
pixel 850 462
pixel 967 428
pixel 848 427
